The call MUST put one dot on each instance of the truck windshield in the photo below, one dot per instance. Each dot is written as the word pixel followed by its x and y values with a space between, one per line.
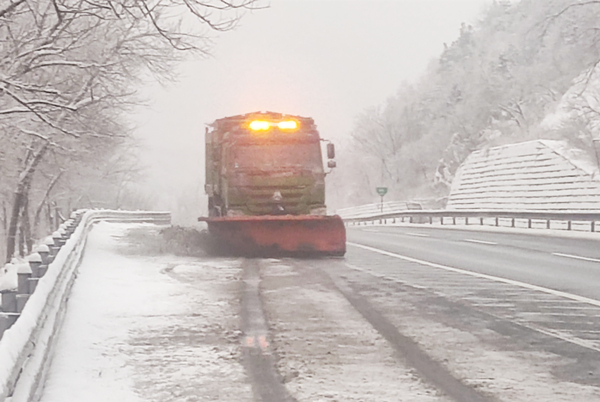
pixel 277 156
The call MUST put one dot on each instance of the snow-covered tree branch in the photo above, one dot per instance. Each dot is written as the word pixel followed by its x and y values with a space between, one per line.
pixel 68 73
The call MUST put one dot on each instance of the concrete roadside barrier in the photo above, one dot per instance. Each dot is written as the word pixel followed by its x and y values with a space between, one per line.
pixel 27 339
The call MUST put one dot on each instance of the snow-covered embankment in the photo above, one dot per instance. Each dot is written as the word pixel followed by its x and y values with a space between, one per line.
pixel 26 346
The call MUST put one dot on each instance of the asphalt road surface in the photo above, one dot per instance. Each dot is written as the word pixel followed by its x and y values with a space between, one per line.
pixel 566 264
pixel 409 314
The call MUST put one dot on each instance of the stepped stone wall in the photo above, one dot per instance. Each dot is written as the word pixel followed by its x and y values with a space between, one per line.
pixel 535 175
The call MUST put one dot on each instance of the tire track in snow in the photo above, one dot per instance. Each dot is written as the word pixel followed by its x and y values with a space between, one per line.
pixel 429 369
pixel 259 361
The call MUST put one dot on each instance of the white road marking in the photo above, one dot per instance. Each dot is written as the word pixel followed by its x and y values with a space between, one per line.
pixel 588 344
pixel 524 285
pixel 370 230
pixel 570 308
pixel 542 313
pixel 565 337
pixel 417 234
pixel 501 305
pixel 576 257
pixel 480 241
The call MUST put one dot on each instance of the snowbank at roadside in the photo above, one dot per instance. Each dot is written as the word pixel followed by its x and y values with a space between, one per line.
pixel 148 328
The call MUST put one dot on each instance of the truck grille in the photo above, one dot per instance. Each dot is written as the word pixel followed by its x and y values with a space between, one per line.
pixel 259 200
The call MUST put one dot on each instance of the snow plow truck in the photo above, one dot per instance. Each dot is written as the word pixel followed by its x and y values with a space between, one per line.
pixel 265 183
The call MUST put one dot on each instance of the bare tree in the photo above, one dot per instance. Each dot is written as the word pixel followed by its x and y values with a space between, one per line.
pixel 69 69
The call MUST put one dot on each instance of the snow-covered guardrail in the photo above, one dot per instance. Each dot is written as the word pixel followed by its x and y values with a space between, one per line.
pixel 483 217
pixel 43 289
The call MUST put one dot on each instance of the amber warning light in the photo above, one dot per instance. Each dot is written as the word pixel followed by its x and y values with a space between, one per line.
pixel 263 125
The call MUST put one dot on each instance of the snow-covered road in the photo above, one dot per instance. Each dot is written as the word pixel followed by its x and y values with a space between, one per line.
pixel 141 326
pixel 145 326
pixel 148 328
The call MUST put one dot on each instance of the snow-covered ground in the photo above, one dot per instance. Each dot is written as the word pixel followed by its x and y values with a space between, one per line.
pixel 328 351
pixel 540 175
pixel 148 328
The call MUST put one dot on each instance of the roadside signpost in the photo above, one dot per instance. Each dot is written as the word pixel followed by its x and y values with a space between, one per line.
pixel 381 191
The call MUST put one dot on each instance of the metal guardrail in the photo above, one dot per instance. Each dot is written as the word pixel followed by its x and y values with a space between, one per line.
pixel 429 216
pixel 26 347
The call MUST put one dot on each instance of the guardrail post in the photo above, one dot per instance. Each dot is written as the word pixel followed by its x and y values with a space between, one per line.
pixel 568 225
pixel 548 224
pixel 21 301
pixel 70 226
pixel 59 241
pixel 512 222
pixel 6 321
pixel 9 301
pixel 454 220
pixel 480 221
pixel 44 252
pixel 431 220
pixel 466 221
pixel 53 250
pixel 23 287
pixel 497 222
pixel 35 262
pixel 441 220
pixel 528 223
pixel 23 275
pixel 33 282
pixel 76 216
pixel 592 226
pixel 410 219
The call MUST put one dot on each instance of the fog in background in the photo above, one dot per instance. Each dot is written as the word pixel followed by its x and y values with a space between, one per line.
pixel 325 59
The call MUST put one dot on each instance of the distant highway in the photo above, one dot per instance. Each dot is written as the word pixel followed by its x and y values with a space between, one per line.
pixel 471 299
pixel 564 264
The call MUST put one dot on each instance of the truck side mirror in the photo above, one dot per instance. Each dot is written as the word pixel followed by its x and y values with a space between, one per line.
pixel 331 164
pixel 330 151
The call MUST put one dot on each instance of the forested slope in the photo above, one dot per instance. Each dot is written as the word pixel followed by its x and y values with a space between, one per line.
pixel 525 70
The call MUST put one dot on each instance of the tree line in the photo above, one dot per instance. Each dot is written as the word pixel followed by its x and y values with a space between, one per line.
pixel 69 70
pixel 499 82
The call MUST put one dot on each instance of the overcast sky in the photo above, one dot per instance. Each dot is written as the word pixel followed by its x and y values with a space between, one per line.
pixel 326 59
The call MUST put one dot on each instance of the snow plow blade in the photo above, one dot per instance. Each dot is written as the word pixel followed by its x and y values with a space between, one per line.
pixel 272 235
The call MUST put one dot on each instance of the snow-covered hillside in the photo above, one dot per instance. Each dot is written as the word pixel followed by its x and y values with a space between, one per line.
pixel 533 175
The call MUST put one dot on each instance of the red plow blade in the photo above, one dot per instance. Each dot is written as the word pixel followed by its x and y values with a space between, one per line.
pixel 266 235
